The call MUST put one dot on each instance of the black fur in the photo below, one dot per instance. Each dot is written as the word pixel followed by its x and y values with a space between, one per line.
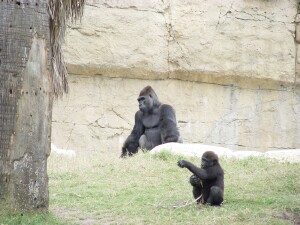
pixel 155 124
pixel 208 180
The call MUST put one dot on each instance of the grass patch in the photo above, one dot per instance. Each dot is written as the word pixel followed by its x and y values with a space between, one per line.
pixel 45 219
pixel 104 189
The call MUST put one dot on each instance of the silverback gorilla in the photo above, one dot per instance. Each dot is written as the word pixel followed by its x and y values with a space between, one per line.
pixel 155 124
pixel 208 180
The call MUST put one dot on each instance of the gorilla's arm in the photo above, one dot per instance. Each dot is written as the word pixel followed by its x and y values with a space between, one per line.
pixel 132 142
pixel 204 174
pixel 169 128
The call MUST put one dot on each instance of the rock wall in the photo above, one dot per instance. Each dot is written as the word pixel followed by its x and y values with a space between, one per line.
pixel 228 68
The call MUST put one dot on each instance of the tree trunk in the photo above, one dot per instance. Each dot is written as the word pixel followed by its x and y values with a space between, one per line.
pixel 25 105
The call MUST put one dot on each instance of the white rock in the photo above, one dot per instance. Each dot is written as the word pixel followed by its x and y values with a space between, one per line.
pixel 191 149
pixel 245 154
pixel 65 152
pixel 291 155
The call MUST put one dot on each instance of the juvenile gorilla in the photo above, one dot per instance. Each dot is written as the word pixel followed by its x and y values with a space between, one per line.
pixel 155 124
pixel 208 180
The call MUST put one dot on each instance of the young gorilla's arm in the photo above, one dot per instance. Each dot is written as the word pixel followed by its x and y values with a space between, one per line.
pixel 195 181
pixel 132 142
pixel 204 174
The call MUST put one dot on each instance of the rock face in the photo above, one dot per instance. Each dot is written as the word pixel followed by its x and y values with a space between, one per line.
pixel 185 39
pixel 228 68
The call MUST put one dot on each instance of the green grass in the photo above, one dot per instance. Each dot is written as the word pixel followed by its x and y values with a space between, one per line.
pixel 44 219
pixel 152 189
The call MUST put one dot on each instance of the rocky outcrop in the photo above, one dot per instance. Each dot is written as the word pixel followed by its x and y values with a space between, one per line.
pixel 228 68
pixel 187 40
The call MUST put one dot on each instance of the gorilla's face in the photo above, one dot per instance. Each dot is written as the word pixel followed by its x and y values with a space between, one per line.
pixel 145 103
pixel 206 162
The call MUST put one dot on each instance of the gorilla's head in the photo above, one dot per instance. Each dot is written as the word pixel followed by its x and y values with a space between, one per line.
pixel 147 99
pixel 209 159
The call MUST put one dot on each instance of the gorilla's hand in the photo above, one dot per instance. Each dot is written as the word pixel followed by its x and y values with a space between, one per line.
pixel 127 149
pixel 195 181
pixel 124 152
pixel 181 163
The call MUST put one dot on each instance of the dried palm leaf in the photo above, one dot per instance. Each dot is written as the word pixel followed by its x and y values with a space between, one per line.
pixel 61 11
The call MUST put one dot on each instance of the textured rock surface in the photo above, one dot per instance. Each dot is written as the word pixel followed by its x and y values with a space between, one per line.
pixel 233 64
pixel 186 39
pixel 98 114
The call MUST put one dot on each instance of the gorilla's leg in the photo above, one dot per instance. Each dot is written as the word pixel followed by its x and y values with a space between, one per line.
pixel 150 139
pixel 197 187
pixel 144 143
pixel 215 196
pixel 180 140
pixel 197 191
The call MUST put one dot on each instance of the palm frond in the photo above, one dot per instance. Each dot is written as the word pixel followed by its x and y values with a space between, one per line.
pixel 61 11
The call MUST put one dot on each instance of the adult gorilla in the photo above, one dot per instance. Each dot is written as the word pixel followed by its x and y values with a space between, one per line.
pixel 208 180
pixel 155 124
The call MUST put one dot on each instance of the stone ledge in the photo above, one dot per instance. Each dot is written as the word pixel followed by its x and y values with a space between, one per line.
pixel 195 76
